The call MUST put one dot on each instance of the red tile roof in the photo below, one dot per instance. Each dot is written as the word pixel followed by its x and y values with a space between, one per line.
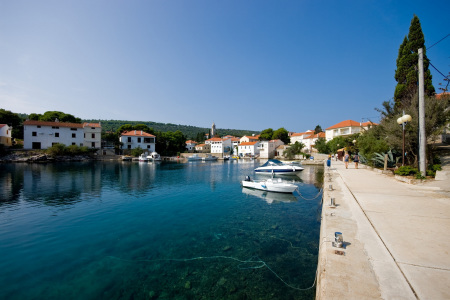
pixel 137 133
pixel 92 125
pixel 1 125
pixel 302 133
pixel 441 95
pixel 191 142
pixel 58 124
pixel 215 140
pixel 346 123
pixel 368 123
pixel 247 144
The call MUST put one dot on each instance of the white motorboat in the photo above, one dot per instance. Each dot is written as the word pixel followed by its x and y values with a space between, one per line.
pixel 276 167
pixel 194 157
pixel 270 185
pixel 154 156
pixel 209 157
pixel 143 157
pixel 127 158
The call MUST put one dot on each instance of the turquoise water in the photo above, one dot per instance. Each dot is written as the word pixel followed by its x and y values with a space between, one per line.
pixel 113 230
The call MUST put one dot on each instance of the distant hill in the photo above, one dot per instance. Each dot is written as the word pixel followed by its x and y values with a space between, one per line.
pixel 189 131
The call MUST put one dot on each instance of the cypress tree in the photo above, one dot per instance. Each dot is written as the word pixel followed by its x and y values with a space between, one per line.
pixel 406 74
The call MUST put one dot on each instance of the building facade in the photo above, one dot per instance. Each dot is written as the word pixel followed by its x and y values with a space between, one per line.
pixel 248 149
pixel 138 138
pixel 43 134
pixel 267 149
pixel 5 135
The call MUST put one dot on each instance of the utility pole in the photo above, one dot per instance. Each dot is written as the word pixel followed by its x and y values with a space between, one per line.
pixel 422 137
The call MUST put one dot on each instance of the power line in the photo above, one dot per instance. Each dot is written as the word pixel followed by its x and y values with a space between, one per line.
pixel 437 70
pixel 439 41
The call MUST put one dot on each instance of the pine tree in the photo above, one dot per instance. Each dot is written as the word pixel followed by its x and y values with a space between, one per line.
pixel 406 74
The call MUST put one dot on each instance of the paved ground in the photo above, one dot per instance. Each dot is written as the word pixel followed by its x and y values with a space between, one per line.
pixel 397 237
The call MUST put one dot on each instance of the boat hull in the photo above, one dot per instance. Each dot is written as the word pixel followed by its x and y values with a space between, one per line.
pixel 270 186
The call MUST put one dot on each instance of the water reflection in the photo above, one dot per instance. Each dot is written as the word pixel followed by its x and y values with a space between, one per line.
pixel 270 197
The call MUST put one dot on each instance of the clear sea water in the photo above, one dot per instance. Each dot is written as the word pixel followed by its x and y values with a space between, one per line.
pixel 129 230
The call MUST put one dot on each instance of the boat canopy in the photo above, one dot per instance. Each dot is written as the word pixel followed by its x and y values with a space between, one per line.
pixel 273 162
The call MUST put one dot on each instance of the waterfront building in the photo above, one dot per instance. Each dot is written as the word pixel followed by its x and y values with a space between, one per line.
pixel 267 149
pixel 219 145
pixel 190 145
pixel 246 139
pixel 203 148
pixel 138 138
pixel 310 141
pixel 299 136
pixel 347 127
pixel 248 149
pixel 5 135
pixel 44 134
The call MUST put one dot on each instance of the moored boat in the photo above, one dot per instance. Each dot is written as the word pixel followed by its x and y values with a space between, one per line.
pixel 154 156
pixel 209 157
pixel 194 157
pixel 276 167
pixel 270 185
pixel 143 157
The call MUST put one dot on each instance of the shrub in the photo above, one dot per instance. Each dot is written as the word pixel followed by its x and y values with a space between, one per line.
pixel 137 151
pixel 406 171
pixel 57 150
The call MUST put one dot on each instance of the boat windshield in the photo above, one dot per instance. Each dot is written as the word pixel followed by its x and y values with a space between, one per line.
pixel 272 162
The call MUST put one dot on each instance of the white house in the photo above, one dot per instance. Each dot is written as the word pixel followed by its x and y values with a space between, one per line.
pixel 5 135
pixel 310 141
pixel 248 149
pixel 267 149
pixel 138 138
pixel 190 145
pixel 203 148
pixel 347 127
pixel 219 145
pixel 43 134
pixel 234 145
pixel 92 135
pixel 298 137
pixel 246 139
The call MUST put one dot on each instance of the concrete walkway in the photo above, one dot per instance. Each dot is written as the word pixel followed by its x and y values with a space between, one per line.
pixel 396 237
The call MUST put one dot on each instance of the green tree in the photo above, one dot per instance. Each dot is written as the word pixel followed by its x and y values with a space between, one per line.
pixel 137 151
pixel 293 150
pixel 14 120
pixel 322 146
pixel 51 116
pixel 282 134
pixel 337 143
pixel 406 74
pixel 123 128
pixel 318 129
pixel 266 134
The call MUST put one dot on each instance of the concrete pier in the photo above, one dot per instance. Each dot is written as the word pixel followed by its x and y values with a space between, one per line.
pixel 396 237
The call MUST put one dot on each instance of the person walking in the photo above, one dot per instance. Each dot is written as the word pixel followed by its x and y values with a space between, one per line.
pixel 346 158
pixel 356 160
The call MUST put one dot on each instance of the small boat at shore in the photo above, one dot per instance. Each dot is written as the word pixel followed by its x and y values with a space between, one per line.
pixel 209 157
pixel 269 185
pixel 154 156
pixel 276 167
pixel 194 157
pixel 127 158
pixel 143 158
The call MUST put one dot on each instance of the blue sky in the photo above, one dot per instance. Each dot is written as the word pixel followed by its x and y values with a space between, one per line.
pixel 241 64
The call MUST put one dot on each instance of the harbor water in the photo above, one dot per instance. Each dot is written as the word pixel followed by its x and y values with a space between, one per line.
pixel 131 230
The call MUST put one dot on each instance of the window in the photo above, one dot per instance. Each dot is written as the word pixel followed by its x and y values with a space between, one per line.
pixel 73 144
pixel 73 129
pixel 148 146
pixel 39 126
pixel 56 134
pixel 55 127
pixel 74 135
pixel 34 133
pixel 93 128
pixel 129 140
pixel 93 145
pixel 129 146
pixel 93 135
pixel 139 140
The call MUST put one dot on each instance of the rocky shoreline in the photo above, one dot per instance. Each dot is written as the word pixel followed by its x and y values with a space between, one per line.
pixel 42 158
